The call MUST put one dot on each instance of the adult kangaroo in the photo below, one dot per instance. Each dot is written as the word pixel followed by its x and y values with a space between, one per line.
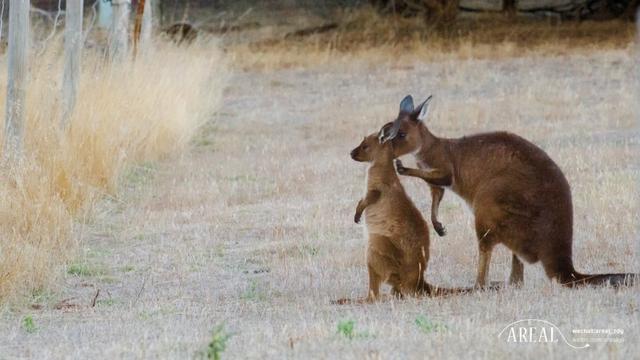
pixel 519 196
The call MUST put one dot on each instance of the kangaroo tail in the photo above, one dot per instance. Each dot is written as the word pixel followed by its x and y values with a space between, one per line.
pixel 615 280
pixel 564 272
pixel 433 291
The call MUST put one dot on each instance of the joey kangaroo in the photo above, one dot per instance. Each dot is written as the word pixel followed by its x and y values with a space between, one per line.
pixel 398 248
pixel 520 198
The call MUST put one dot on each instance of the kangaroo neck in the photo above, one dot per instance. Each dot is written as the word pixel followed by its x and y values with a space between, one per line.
pixel 433 152
pixel 382 165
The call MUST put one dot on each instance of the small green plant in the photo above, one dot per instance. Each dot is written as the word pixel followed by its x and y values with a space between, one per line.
pixel 138 175
pixel 218 343
pixel 218 251
pixel 427 326
pixel 347 329
pixel 205 136
pixel 127 268
pixel 252 292
pixel 29 325
pixel 203 142
pixel 40 295
pixel 83 270
pixel 308 250
pixel 145 315
pixel 106 302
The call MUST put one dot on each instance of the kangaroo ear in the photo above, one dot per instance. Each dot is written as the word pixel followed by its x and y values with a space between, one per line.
pixel 406 105
pixel 384 134
pixel 420 114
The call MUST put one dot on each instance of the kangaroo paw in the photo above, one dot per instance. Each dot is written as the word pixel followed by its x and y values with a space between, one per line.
pixel 400 168
pixel 439 228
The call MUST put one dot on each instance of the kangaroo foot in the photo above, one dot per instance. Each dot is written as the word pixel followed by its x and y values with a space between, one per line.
pixel 347 301
pixel 492 286
pixel 439 228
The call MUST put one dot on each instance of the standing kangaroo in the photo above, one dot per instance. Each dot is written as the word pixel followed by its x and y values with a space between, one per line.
pixel 518 195
pixel 398 249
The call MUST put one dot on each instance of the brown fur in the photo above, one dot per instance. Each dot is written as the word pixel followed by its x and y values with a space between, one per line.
pixel 398 249
pixel 519 196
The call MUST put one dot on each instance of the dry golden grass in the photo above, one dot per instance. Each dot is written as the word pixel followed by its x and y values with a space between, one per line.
pixel 139 111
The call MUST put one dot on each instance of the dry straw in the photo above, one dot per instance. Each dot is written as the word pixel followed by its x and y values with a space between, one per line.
pixel 138 111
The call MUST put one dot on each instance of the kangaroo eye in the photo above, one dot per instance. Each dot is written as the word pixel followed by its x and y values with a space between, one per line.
pixel 401 135
pixel 364 147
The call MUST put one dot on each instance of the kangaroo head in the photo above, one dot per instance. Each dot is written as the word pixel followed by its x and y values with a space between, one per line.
pixel 373 146
pixel 408 129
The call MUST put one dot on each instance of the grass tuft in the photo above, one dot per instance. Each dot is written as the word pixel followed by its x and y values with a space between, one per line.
pixel 428 326
pixel 218 343
pixel 134 113
pixel 29 325
pixel 83 270
pixel 347 329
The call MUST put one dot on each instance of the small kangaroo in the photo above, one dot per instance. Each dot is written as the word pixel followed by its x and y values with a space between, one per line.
pixel 520 198
pixel 398 248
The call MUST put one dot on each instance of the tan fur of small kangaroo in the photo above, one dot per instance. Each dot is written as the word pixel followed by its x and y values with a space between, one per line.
pixel 398 249
pixel 520 198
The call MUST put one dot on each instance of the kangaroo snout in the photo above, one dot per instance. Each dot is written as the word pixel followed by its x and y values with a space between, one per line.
pixel 354 153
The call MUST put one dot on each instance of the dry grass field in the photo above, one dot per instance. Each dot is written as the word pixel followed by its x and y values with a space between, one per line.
pixel 251 232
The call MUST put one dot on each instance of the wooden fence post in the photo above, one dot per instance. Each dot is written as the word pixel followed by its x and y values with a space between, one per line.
pixel 142 26
pixel 73 53
pixel 147 23
pixel 119 40
pixel 17 78
pixel 158 13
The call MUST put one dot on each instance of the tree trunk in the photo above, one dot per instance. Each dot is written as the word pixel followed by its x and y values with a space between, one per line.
pixel 510 8
pixel 73 54
pixel 17 78
pixel 119 39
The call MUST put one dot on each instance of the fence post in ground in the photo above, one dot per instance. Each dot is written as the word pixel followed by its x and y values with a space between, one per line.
pixel 119 37
pixel 73 54
pixel 637 67
pixel 147 24
pixel 105 14
pixel 142 27
pixel 636 103
pixel 17 78
pixel 158 13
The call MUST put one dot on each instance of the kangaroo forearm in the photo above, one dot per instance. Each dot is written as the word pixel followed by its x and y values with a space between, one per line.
pixel 371 197
pixel 436 197
pixel 433 177
pixel 360 208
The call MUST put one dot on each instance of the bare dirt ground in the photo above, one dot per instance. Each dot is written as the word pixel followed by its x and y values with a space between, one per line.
pixel 253 229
